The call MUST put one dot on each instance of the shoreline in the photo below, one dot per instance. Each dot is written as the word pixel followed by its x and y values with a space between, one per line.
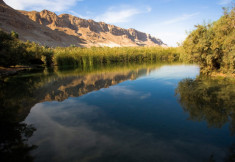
pixel 4 72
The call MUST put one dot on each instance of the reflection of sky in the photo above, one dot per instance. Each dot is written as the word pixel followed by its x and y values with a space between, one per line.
pixel 138 120
pixel 118 91
pixel 175 72
pixel 70 131
pixel 171 75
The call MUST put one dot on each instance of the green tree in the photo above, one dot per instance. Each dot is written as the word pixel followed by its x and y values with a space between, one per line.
pixel 15 52
pixel 212 45
pixel 14 34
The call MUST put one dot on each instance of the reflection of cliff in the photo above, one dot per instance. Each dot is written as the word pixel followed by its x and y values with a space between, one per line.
pixel 211 100
pixel 80 85
pixel 19 94
pixel 23 93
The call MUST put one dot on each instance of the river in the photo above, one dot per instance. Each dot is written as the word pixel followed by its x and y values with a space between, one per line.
pixel 163 112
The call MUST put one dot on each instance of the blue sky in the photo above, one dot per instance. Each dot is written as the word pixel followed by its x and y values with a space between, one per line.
pixel 165 19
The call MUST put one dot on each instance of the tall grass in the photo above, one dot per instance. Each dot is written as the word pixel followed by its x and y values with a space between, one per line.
pixel 15 52
pixel 77 56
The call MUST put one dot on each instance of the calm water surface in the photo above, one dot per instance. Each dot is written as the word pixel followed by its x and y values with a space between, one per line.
pixel 146 113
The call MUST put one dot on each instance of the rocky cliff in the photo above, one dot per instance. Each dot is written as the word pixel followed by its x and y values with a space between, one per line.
pixel 11 19
pixel 47 28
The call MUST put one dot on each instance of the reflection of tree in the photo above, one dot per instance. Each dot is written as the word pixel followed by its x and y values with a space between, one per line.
pixel 18 94
pixel 12 142
pixel 14 134
pixel 211 100
pixel 231 156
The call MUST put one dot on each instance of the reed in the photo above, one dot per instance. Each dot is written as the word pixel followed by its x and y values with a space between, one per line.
pixel 15 52
pixel 77 56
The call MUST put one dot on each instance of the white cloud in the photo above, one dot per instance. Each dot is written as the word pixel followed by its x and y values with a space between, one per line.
pixel 181 18
pixel 224 2
pixel 78 15
pixel 117 16
pixel 125 91
pixel 122 90
pixel 149 9
pixel 52 5
pixel 120 14
pixel 144 96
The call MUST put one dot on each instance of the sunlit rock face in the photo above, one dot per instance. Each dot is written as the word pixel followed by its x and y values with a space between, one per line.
pixel 94 33
pixel 12 20
pixel 47 28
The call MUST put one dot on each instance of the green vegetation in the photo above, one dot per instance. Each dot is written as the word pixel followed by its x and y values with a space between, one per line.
pixel 212 46
pixel 15 52
pixel 209 99
pixel 14 132
pixel 104 55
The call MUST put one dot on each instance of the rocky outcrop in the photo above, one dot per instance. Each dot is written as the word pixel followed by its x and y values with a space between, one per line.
pixel 95 33
pixel 28 29
pixel 49 29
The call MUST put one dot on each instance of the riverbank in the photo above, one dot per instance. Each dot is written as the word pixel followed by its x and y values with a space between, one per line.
pixel 12 70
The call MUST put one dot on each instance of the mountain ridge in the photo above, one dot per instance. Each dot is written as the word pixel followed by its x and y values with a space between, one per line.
pixel 12 20
pixel 67 30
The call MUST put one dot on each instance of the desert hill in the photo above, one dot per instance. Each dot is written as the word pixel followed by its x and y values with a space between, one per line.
pixel 49 29
pixel 11 19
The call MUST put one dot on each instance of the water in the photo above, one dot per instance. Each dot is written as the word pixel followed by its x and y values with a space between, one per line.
pixel 134 113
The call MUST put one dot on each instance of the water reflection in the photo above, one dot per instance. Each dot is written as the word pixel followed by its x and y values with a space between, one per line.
pixel 14 134
pixel 23 91
pixel 127 113
pixel 18 94
pixel 231 155
pixel 210 100
pixel 78 131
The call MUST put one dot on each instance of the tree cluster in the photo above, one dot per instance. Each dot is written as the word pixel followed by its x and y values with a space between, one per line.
pixel 212 45
pixel 15 52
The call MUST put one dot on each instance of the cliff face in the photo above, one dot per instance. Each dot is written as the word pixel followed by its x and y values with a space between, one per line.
pixel 11 19
pixel 47 28
pixel 94 33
